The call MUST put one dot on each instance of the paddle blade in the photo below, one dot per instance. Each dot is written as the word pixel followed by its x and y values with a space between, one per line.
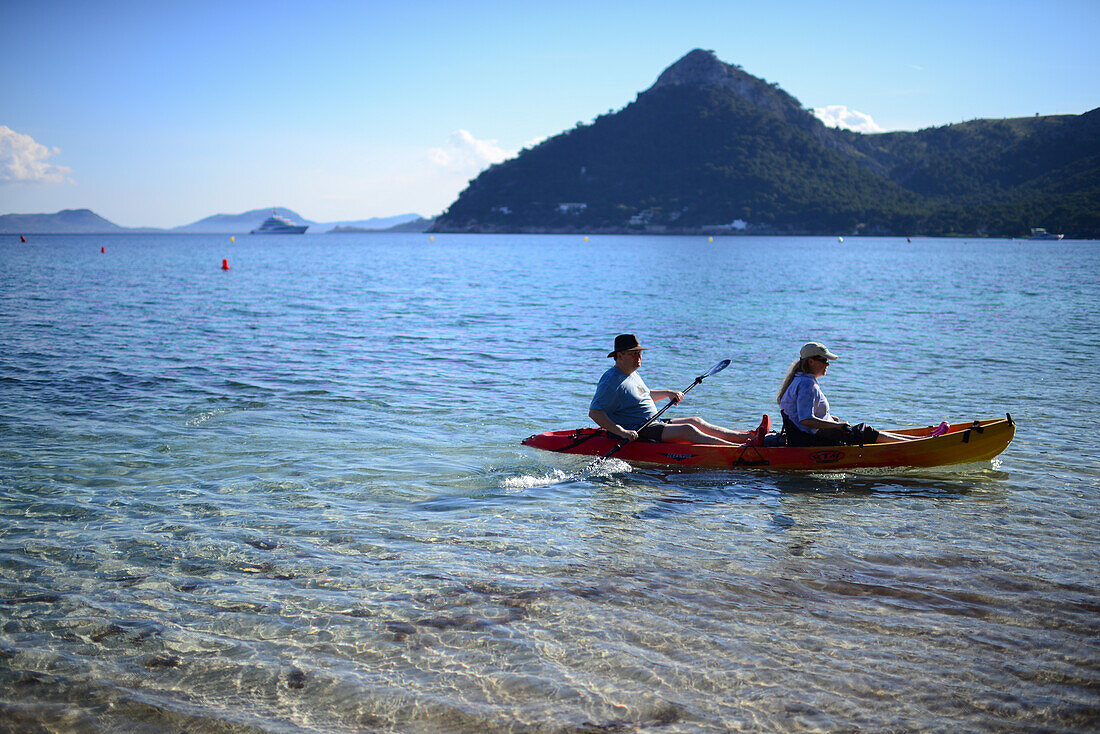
pixel 716 369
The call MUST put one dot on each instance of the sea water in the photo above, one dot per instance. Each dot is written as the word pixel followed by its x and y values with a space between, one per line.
pixel 291 496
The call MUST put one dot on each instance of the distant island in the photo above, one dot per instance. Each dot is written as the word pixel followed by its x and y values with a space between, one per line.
pixel 66 221
pixel 711 149
pixel 85 221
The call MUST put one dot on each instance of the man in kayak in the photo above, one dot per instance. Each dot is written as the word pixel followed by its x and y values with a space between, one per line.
pixel 622 404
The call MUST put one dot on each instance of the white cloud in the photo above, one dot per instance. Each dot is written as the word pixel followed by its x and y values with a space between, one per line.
pixel 463 153
pixel 535 142
pixel 22 160
pixel 837 115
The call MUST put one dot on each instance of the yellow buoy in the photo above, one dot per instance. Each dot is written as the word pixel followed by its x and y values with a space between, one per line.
pixel 710 239
pixel 232 239
pixel 431 239
pixel 586 239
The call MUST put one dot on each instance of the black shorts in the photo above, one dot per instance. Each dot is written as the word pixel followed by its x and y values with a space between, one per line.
pixel 856 435
pixel 652 432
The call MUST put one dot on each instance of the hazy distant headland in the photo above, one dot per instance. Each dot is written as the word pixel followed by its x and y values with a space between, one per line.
pixel 710 148
pixel 420 224
pixel 85 221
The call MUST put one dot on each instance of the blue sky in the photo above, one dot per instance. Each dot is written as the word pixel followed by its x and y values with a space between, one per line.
pixel 161 113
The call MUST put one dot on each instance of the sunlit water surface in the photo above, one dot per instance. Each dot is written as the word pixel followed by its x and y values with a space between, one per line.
pixel 291 496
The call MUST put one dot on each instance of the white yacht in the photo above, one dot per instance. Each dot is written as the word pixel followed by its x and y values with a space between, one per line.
pixel 1038 233
pixel 279 225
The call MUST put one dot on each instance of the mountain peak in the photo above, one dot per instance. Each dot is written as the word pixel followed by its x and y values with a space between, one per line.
pixel 698 68
pixel 703 69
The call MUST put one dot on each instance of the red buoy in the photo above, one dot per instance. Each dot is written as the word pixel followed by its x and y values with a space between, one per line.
pixel 225 264
pixel 103 249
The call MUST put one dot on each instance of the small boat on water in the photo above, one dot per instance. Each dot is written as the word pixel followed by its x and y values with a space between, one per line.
pixel 279 225
pixel 1038 233
pixel 963 443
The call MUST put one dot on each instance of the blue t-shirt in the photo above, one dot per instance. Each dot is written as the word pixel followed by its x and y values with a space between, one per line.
pixel 804 399
pixel 624 398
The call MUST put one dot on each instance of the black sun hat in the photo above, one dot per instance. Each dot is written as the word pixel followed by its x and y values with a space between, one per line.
pixel 626 343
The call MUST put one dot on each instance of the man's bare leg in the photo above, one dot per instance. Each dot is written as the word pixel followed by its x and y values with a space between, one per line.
pixel 709 429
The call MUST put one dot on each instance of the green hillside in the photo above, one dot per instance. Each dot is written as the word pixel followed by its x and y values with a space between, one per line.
pixel 709 145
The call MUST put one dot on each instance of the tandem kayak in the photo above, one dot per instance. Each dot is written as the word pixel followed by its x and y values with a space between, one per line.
pixel 978 440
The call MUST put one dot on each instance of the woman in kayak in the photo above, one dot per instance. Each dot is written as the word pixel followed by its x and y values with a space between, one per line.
pixel 623 404
pixel 805 410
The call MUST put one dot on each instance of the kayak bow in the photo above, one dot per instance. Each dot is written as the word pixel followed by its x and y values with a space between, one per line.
pixel 962 444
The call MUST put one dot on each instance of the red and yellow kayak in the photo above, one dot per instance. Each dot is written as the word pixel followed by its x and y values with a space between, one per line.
pixel 963 443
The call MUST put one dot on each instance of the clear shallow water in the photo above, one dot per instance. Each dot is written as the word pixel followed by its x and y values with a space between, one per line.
pixel 291 496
